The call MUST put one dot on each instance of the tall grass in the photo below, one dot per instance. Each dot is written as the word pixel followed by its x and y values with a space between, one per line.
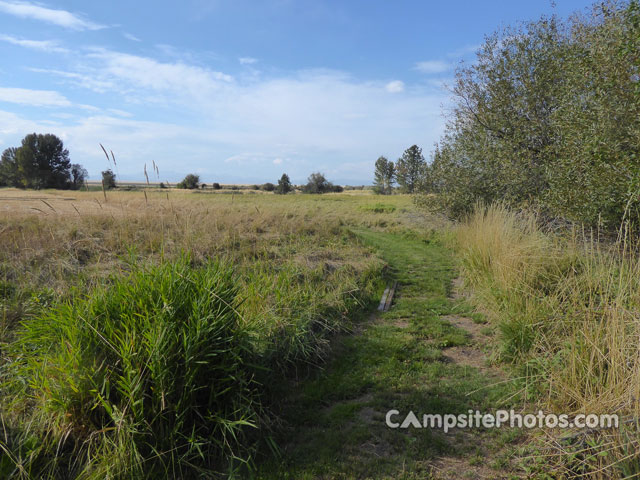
pixel 147 377
pixel 568 308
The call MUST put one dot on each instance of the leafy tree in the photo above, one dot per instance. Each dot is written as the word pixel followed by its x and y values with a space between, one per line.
pixel 191 181
pixel 216 186
pixel 79 176
pixel 548 115
pixel 284 185
pixel 41 161
pixel 384 176
pixel 317 183
pixel 268 187
pixel 108 179
pixel 410 168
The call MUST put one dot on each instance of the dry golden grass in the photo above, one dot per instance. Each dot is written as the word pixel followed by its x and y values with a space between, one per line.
pixel 569 312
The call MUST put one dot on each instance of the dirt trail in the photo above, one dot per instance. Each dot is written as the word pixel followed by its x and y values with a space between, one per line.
pixel 472 355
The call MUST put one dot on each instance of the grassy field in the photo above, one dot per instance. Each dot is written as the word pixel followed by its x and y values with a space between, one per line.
pixel 86 377
pixel 174 334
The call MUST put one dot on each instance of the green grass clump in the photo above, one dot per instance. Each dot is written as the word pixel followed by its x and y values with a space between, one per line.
pixel 379 208
pixel 148 377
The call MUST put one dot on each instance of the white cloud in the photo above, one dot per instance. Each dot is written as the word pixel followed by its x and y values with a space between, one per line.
pixel 433 66
pixel 14 125
pixel 247 60
pixel 208 120
pixel 38 98
pixel 395 87
pixel 61 18
pixel 120 113
pixel 44 45
pixel 178 78
pixel 130 36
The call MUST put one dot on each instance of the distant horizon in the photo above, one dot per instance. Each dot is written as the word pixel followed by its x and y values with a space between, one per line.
pixel 240 92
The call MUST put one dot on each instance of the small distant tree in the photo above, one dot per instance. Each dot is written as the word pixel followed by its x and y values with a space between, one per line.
pixel 109 179
pixel 317 183
pixel 203 186
pixel 268 187
pixel 384 176
pixel 284 185
pixel 79 176
pixel 410 168
pixel 216 186
pixel 191 181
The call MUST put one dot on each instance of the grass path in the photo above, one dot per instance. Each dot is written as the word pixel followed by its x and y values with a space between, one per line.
pixel 425 355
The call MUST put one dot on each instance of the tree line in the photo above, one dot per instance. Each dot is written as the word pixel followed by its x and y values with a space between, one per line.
pixel 316 183
pixel 41 161
pixel 547 116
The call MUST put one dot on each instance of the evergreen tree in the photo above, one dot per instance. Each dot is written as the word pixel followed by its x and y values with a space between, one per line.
pixel 384 176
pixel 410 168
pixel 284 185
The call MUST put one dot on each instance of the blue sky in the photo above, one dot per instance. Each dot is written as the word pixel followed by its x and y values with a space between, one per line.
pixel 240 91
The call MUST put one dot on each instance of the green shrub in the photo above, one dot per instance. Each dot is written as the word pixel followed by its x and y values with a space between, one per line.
pixel 191 182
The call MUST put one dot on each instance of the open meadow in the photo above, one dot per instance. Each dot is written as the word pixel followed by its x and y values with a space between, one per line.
pixel 93 287
pixel 172 334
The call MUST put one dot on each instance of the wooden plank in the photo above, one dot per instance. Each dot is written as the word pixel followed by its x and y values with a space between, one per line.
pixel 383 301
pixel 387 305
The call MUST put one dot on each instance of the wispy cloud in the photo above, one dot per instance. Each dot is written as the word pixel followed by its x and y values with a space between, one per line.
pixel 38 98
pixel 395 86
pixel 88 81
pixel 247 60
pixel 61 18
pixel 179 79
pixel 433 66
pixel 44 45
pixel 132 37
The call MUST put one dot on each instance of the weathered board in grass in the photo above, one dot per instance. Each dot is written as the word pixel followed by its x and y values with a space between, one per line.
pixel 387 297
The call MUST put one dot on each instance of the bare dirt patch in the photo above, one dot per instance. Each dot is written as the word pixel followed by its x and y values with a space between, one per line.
pixel 451 468
pixel 466 323
pixel 467 356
